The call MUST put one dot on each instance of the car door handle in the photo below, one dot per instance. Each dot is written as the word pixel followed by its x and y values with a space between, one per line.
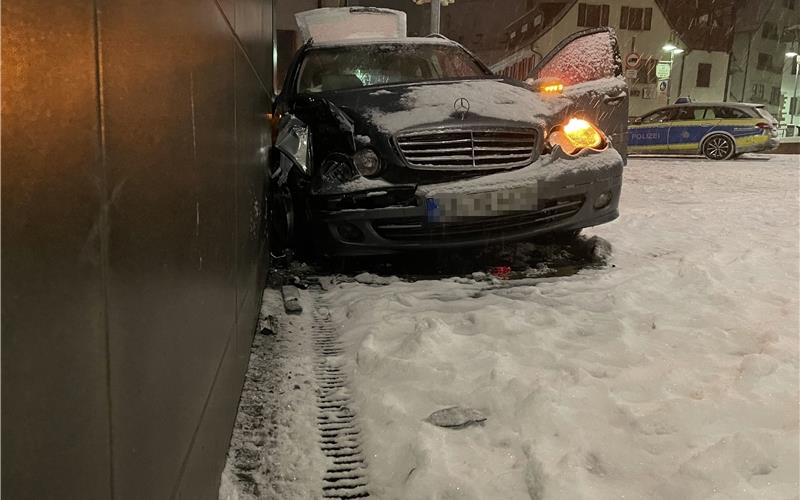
pixel 614 99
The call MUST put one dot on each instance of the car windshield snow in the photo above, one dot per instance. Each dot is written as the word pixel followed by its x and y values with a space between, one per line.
pixel 349 67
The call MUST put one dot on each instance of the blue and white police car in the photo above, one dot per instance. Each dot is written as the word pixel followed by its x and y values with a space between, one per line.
pixel 718 131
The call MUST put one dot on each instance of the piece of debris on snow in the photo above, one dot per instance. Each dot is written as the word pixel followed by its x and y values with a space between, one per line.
pixel 269 326
pixel 456 417
pixel 374 279
pixel 327 283
pixel 601 249
pixel 291 299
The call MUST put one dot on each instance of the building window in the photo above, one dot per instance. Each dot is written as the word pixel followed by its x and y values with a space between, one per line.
pixel 635 19
pixel 758 90
pixel 703 75
pixel 769 31
pixel 775 97
pixel 789 4
pixel 593 16
pixel 537 21
pixel 764 61
pixel 524 28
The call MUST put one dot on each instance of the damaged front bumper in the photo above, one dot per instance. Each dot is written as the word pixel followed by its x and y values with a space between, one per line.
pixel 551 194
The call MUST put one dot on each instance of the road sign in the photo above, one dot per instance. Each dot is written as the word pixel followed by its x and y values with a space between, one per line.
pixel 663 69
pixel 631 74
pixel 663 85
pixel 633 60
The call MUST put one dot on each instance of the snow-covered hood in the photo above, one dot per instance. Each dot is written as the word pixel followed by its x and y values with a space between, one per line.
pixel 489 102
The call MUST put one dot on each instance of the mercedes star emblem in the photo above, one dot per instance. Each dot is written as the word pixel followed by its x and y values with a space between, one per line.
pixel 461 106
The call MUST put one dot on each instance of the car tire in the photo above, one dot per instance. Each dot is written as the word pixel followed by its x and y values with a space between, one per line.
pixel 281 218
pixel 719 147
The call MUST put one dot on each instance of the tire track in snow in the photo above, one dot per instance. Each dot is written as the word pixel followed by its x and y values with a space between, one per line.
pixel 340 435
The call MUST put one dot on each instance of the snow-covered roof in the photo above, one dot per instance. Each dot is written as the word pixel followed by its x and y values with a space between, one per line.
pixel 346 23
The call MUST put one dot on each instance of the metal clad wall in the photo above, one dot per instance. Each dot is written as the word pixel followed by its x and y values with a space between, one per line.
pixel 174 138
pixel 55 431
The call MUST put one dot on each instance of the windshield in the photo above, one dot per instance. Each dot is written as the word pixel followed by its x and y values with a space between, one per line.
pixel 341 68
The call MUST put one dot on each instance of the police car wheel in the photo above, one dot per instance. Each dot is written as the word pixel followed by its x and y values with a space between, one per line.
pixel 718 147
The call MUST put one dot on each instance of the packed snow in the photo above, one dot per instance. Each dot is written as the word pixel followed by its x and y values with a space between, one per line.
pixel 672 372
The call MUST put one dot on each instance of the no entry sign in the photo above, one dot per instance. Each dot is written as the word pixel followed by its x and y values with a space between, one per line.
pixel 632 60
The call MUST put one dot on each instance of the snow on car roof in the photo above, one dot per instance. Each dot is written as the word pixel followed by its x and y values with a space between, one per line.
pixel 385 41
pixel 348 23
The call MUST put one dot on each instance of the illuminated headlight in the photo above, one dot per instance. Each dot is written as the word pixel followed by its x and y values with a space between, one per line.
pixel 576 135
pixel 367 162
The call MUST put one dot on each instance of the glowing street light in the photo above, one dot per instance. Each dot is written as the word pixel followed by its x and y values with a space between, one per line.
pixel 668 47
pixel 792 54
pixel 677 51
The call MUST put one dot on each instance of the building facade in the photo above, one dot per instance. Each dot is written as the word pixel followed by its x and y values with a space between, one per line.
pixel 643 29
pixel 759 71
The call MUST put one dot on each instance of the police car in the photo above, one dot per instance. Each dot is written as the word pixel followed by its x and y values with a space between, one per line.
pixel 717 131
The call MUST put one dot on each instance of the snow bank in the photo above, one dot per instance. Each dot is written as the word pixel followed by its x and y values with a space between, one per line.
pixel 672 375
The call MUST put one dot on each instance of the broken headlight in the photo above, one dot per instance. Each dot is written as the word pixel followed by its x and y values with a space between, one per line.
pixel 293 141
pixel 337 169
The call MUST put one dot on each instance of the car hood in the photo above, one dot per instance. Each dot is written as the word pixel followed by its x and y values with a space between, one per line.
pixel 398 108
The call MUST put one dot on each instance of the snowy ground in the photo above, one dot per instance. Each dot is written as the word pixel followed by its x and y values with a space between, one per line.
pixel 669 373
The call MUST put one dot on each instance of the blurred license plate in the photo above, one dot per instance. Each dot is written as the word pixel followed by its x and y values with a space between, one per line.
pixel 449 206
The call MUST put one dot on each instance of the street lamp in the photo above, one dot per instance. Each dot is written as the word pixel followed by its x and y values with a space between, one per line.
pixel 673 50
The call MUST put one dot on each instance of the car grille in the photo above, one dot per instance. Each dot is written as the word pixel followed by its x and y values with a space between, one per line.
pixel 414 229
pixel 480 149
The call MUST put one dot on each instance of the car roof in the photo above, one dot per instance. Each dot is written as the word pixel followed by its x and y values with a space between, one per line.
pixel 386 41
pixel 707 104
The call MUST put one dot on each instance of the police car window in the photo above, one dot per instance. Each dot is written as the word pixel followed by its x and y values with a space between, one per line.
pixel 699 113
pixel 682 114
pixel 657 117
pixel 729 113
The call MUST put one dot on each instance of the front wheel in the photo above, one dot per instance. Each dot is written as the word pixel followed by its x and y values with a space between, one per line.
pixel 718 147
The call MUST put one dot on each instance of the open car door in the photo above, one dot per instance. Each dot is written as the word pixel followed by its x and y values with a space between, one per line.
pixel 589 67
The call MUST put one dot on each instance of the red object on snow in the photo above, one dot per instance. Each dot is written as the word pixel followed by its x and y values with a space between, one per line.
pixel 502 272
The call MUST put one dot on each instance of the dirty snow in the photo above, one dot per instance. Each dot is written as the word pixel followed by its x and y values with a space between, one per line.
pixel 274 450
pixel 670 373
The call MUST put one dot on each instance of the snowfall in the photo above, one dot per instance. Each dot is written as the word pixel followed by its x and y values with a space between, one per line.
pixel 668 372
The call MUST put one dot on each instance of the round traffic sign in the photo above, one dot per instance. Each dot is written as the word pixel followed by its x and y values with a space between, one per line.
pixel 633 60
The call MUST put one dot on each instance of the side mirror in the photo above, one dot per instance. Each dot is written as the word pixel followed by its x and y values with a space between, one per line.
pixel 585 56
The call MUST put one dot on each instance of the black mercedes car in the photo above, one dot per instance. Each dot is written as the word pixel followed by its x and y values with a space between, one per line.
pixel 403 144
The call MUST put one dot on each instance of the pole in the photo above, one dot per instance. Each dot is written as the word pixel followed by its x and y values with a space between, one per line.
pixel 436 8
pixel 671 75
pixel 796 74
